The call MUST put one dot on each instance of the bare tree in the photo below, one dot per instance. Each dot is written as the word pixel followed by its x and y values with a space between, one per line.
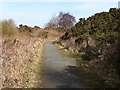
pixel 63 20
pixel 53 23
pixel 66 20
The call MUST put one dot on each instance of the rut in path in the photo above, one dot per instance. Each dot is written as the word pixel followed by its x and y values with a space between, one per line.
pixel 59 70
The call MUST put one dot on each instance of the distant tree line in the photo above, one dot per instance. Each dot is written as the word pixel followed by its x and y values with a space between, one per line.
pixel 8 27
pixel 27 28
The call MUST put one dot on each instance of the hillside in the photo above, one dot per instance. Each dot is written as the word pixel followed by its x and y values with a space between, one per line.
pixel 22 53
pixel 95 42
pixel 86 55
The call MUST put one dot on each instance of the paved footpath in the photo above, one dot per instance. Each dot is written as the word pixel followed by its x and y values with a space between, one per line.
pixel 58 69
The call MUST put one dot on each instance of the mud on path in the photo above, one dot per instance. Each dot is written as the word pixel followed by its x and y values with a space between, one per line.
pixel 58 69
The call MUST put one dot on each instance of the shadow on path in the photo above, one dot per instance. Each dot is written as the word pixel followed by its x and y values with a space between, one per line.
pixel 59 71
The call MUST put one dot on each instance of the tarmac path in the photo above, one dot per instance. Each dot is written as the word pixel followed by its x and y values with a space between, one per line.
pixel 58 69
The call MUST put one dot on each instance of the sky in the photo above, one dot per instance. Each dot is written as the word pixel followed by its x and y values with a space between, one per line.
pixel 37 12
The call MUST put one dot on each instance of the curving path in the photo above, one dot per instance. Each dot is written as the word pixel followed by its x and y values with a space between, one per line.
pixel 59 70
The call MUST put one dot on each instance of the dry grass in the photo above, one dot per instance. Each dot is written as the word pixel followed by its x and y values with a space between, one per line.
pixel 18 54
pixel 22 59
pixel 21 54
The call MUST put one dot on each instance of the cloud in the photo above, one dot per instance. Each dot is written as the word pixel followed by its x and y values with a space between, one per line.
pixel 86 5
pixel 52 0
pixel 40 13
pixel 0 9
pixel 94 5
pixel 30 15
pixel 59 0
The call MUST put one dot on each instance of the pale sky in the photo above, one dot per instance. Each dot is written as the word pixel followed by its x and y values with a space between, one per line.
pixel 37 12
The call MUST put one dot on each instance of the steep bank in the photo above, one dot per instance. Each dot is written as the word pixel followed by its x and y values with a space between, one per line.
pixel 22 54
pixel 95 42
pixel 19 55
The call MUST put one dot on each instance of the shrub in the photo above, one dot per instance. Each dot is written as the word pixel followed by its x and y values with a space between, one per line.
pixel 37 27
pixel 8 27
pixel 25 28
pixel 104 56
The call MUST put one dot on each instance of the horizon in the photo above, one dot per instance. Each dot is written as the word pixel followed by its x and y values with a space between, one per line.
pixel 39 13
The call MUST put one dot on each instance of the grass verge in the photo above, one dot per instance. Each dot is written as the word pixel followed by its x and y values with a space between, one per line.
pixel 32 77
pixel 90 76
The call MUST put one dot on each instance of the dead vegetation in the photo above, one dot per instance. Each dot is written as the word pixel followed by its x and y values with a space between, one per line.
pixel 17 56
pixel 22 55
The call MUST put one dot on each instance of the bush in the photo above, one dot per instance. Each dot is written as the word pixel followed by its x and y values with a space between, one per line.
pixel 8 27
pixel 24 28
pixel 103 55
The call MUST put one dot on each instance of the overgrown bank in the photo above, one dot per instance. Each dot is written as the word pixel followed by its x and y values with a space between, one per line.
pixel 33 75
pixel 95 42
pixel 19 59
pixel 22 51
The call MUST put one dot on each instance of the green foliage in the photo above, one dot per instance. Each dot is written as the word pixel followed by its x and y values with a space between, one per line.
pixel 25 28
pixel 65 36
pixel 36 27
pixel 103 57
pixel 100 22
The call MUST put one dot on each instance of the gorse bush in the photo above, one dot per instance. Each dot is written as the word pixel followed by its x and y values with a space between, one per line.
pixel 24 28
pixel 104 29
pixel 8 27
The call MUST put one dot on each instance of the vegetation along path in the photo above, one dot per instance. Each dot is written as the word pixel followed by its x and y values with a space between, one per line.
pixel 58 69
